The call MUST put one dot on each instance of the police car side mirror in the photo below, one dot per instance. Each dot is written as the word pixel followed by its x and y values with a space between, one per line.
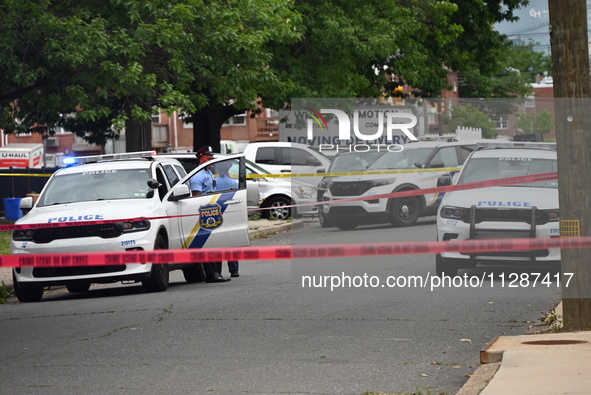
pixel 26 204
pixel 444 180
pixel 420 165
pixel 153 183
pixel 179 191
pixel 321 170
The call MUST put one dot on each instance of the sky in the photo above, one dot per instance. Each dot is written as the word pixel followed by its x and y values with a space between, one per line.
pixel 533 24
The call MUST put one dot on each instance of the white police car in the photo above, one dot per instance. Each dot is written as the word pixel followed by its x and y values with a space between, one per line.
pixel 504 212
pixel 404 211
pixel 154 193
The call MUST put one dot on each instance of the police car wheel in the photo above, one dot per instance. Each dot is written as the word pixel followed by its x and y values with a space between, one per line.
pixel 158 280
pixel 324 222
pixel 278 209
pixel 445 268
pixel 404 211
pixel 194 273
pixel 78 287
pixel 26 294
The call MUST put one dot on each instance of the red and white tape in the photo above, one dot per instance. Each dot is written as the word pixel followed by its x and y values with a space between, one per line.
pixel 290 252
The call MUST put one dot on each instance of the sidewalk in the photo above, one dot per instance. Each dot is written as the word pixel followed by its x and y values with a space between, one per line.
pixel 538 364
pixel 256 229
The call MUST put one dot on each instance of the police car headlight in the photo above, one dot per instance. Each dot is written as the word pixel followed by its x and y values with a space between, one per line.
pixel 452 212
pixel 382 182
pixel 552 215
pixel 23 234
pixel 307 191
pixel 134 226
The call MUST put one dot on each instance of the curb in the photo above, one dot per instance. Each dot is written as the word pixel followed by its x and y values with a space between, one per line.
pixel 479 379
pixel 270 230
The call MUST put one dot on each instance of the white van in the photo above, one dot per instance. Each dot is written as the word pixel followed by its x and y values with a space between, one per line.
pixel 282 157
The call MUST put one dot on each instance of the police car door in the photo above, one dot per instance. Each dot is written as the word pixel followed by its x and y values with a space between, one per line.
pixel 444 158
pixel 218 217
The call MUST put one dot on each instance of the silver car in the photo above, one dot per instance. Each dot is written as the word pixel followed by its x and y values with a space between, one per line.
pixel 269 196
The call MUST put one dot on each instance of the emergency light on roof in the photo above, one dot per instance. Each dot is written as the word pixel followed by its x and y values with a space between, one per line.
pixel 515 144
pixel 125 155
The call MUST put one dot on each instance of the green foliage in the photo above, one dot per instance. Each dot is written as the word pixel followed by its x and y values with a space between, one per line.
pixel 94 66
pixel 529 62
pixel 510 73
pixel 5 242
pixel 470 116
pixel 542 122
pixel 106 63
pixel 4 293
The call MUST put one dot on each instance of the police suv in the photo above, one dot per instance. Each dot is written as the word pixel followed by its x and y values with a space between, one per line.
pixel 139 204
pixel 504 212
pixel 432 156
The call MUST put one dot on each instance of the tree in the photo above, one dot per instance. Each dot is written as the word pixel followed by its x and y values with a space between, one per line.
pixel 525 122
pixel 122 59
pixel 544 122
pixel 91 60
pixel 536 123
pixel 472 117
pixel 529 62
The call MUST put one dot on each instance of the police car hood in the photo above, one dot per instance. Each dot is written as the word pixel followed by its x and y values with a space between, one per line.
pixel 504 198
pixel 88 211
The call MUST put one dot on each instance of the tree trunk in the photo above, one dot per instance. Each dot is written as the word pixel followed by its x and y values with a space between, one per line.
pixel 207 125
pixel 570 71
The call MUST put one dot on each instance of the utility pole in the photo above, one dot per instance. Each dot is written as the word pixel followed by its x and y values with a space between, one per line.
pixel 570 69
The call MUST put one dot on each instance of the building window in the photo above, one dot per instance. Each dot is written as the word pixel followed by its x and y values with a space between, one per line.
pixel 186 124
pixel 156 118
pixel 239 119
pixel 501 123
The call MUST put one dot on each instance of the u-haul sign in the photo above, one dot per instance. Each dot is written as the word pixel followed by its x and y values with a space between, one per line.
pixel 21 155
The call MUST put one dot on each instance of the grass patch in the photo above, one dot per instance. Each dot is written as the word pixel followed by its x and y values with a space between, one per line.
pixel 4 293
pixel 5 237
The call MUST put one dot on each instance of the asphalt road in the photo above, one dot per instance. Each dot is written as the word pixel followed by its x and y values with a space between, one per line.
pixel 264 333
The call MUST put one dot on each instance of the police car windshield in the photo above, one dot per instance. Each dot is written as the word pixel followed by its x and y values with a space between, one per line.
pixel 96 185
pixel 405 159
pixel 355 161
pixel 484 169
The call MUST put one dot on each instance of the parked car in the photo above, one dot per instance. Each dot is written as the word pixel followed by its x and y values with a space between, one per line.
pixel 344 162
pixel 403 211
pixel 115 190
pixel 504 212
pixel 266 192
pixel 283 157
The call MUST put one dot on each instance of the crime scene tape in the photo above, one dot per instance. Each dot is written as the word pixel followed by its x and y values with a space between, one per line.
pixel 25 175
pixel 69 221
pixel 351 173
pixel 290 252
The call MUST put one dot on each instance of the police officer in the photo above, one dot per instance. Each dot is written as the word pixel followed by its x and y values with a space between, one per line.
pixel 200 184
